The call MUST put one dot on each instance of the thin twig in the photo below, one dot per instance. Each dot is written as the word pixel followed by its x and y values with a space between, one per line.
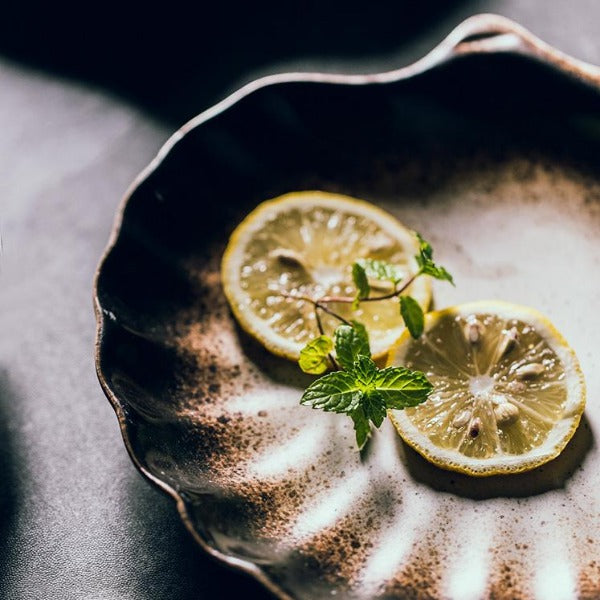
pixel 332 313
pixel 388 296
pixel 396 292
pixel 319 304
pixel 334 363
pixel 322 302
pixel 319 323
pixel 336 299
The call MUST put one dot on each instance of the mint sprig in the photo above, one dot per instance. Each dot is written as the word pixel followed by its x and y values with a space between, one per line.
pixel 364 269
pixel 351 341
pixel 381 270
pixel 338 392
pixel 425 261
pixel 357 387
pixel 412 314
pixel 361 390
pixel 361 281
pixel 314 357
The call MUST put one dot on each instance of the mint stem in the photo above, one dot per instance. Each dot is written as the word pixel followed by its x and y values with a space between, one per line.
pixel 332 360
pixel 319 304
pixel 326 309
pixel 349 300
pixel 396 291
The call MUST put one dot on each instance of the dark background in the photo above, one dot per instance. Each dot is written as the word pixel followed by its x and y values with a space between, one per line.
pixel 88 94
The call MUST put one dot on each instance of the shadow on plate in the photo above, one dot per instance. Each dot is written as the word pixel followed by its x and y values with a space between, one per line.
pixel 278 370
pixel 551 476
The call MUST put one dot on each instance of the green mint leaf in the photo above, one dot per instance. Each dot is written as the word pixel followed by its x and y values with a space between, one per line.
pixel 361 282
pixel 361 332
pixel 400 387
pixel 426 264
pixel 425 249
pixel 351 342
pixel 374 407
pixel 381 270
pixel 362 427
pixel 314 357
pixel 412 313
pixel 365 371
pixel 337 392
pixel 437 272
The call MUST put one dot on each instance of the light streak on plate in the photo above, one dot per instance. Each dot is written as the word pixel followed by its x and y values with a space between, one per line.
pixel 469 573
pixel 396 541
pixel 554 577
pixel 385 459
pixel 296 454
pixel 326 509
pixel 554 580
pixel 277 399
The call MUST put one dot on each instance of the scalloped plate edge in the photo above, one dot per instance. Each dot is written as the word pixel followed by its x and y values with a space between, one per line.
pixel 479 34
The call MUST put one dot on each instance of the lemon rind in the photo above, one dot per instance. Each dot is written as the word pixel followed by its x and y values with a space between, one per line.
pixel 230 264
pixel 501 464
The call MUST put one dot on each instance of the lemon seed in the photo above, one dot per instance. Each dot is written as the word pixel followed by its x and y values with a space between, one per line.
pixel 506 413
pixel 475 428
pixel 461 419
pixel 530 371
pixel 473 331
pixel 508 342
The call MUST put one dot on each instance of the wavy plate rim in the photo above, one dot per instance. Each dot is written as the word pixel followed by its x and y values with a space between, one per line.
pixel 479 34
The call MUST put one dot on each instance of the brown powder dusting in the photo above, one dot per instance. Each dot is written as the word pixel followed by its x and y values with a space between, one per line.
pixel 270 507
pixel 589 581
pixel 507 582
pixel 340 551
pixel 420 578
pixel 222 364
pixel 224 442
pixel 218 372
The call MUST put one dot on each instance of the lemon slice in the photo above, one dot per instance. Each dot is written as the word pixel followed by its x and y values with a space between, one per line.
pixel 304 244
pixel 508 390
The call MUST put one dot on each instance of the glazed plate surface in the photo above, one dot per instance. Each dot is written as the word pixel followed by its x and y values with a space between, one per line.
pixel 490 147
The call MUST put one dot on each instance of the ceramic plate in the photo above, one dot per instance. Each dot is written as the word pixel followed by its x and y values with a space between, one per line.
pixel 489 146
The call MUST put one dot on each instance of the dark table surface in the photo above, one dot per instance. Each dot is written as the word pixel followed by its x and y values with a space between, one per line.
pixel 86 101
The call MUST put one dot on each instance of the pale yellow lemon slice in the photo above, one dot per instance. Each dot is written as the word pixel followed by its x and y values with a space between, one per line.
pixel 304 243
pixel 508 389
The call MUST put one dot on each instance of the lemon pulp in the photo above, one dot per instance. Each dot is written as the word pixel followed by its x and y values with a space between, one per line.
pixel 304 244
pixel 508 390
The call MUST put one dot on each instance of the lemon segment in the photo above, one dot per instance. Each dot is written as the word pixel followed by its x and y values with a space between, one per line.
pixel 304 244
pixel 508 390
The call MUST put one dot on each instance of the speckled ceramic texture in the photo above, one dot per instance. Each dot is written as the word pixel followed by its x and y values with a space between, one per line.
pixel 490 147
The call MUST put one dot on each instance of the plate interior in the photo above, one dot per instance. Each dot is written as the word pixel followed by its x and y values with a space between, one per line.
pixel 495 161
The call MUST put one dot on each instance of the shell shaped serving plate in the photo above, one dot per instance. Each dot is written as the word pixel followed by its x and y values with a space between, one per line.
pixel 490 147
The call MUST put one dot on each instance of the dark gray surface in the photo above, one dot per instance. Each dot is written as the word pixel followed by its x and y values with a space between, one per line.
pixel 76 520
